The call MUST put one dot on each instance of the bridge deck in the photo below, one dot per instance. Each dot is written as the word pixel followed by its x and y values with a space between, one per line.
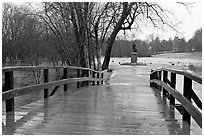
pixel 127 106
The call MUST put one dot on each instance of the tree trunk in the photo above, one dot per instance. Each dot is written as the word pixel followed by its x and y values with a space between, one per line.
pixel 97 47
pixel 77 31
pixel 99 58
pixel 125 13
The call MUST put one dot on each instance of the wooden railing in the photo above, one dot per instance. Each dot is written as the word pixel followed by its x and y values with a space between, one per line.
pixel 159 79
pixel 9 93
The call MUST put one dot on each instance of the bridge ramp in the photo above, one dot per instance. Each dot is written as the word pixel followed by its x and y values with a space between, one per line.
pixel 125 105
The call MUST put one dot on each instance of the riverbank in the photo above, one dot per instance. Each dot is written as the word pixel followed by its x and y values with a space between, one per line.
pixel 191 61
pixel 186 55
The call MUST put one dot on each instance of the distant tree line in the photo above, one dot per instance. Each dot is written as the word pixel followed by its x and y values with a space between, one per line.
pixel 30 39
pixel 123 48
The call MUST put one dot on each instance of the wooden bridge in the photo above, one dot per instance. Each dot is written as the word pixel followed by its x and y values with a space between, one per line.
pixel 134 101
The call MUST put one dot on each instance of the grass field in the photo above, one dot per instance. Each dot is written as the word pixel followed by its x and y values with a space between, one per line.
pixel 186 55
pixel 189 60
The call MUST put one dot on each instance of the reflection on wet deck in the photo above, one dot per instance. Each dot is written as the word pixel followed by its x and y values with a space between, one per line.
pixel 128 108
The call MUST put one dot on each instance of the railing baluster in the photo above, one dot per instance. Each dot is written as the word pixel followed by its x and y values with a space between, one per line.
pixel 159 75
pixel 153 76
pixel 65 77
pixel 98 78
pixel 9 84
pixel 187 93
pixel 165 79
pixel 78 75
pixel 93 75
pixel 101 78
pixel 87 83
pixel 46 79
pixel 173 85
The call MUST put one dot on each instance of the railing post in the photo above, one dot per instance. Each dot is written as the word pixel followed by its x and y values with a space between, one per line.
pixel 65 77
pixel 153 76
pixel 87 83
pixel 187 93
pixel 78 75
pixel 46 78
pixel 101 78
pixel 8 85
pixel 98 78
pixel 173 85
pixel 93 75
pixel 159 74
pixel 165 79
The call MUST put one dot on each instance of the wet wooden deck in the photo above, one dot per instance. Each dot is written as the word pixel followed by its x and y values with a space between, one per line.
pixel 128 105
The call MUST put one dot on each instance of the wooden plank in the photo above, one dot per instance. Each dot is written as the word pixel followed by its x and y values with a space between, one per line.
pixel 77 116
pixel 193 111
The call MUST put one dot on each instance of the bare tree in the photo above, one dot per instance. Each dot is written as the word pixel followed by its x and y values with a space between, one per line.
pixel 75 32
pixel 130 13
pixel 11 29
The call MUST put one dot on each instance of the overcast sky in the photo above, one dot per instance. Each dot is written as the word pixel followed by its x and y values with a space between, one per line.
pixel 190 21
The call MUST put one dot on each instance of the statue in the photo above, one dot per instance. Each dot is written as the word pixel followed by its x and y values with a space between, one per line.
pixel 134 53
pixel 134 47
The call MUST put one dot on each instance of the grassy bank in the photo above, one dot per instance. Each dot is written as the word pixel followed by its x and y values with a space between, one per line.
pixel 186 55
pixel 194 64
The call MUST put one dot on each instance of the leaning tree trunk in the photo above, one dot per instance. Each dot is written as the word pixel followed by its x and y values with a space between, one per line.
pixel 113 35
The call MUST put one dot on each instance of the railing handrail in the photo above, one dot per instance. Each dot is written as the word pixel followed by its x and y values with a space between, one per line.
pixel 27 89
pixel 160 80
pixel 86 75
pixel 187 74
pixel 193 111
pixel 17 68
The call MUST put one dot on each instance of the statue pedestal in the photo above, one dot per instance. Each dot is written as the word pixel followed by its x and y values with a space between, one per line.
pixel 134 57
